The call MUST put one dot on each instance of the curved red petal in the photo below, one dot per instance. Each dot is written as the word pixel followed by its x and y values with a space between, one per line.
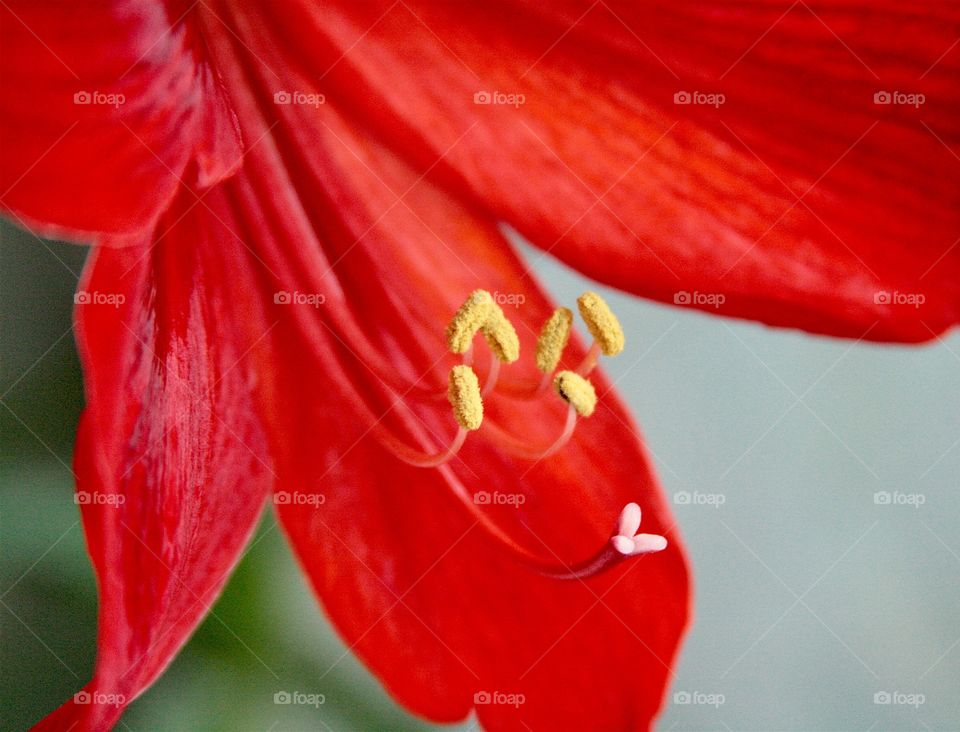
pixel 407 576
pixel 799 201
pixel 413 584
pixel 172 468
pixel 111 104
pixel 405 573
pixel 321 222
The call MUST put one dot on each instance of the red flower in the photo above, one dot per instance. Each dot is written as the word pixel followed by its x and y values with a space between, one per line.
pixel 290 199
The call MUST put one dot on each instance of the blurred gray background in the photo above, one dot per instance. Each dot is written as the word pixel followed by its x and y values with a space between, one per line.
pixel 817 483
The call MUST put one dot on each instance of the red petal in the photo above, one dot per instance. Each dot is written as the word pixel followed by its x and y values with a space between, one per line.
pixel 425 599
pixel 409 578
pixel 692 199
pixel 440 614
pixel 391 278
pixel 171 462
pixel 109 103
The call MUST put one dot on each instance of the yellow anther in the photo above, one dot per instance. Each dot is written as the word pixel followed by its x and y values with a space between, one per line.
pixel 501 336
pixel 602 323
pixel 553 339
pixel 465 323
pixel 464 396
pixel 576 390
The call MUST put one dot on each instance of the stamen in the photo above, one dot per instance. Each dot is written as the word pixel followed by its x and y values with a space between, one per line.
pixel 493 371
pixel 400 448
pixel 419 458
pixel 601 322
pixel 357 344
pixel 589 362
pixel 577 391
pixel 500 335
pixel 464 396
pixel 470 318
pixel 525 389
pixel 492 375
pixel 521 449
pixel 553 339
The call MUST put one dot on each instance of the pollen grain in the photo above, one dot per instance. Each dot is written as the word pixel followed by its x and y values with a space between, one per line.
pixel 576 390
pixel 464 395
pixel 602 323
pixel 553 338
pixel 469 318
pixel 501 335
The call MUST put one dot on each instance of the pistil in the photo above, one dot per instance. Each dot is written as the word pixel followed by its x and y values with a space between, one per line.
pixel 479 314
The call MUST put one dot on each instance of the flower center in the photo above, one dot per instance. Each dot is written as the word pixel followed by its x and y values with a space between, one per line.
pixel 479 314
